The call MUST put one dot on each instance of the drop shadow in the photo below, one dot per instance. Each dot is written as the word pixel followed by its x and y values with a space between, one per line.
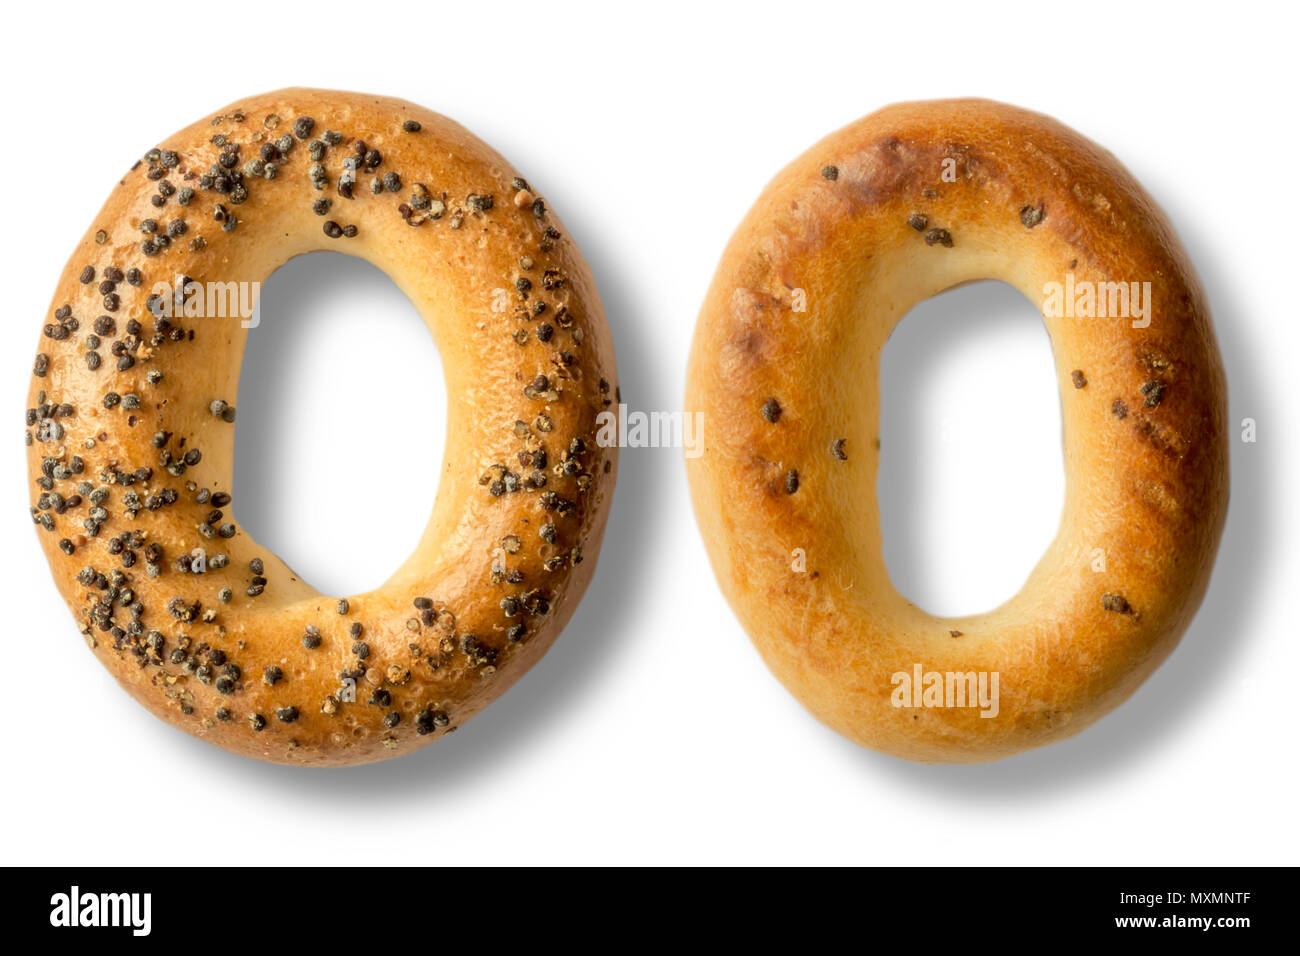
pixel 559 682
pixel 1227 617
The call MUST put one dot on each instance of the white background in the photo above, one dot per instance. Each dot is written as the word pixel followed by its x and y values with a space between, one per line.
pixel 652 732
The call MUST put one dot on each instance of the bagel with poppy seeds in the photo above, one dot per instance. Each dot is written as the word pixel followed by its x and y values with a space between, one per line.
pixel 130 430
pixel 894 208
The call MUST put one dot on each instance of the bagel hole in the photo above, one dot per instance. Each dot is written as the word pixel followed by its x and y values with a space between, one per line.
pixel 342 413
pixel 971 484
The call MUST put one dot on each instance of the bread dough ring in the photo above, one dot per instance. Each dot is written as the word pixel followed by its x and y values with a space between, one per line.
pixel 130 435
pixel 905 203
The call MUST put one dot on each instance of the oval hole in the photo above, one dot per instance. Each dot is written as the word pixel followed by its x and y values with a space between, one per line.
pixel 972 473
pixel 342 413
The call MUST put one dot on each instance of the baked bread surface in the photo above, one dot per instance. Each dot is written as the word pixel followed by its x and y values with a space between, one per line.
pixel 894 208
pixel 130 451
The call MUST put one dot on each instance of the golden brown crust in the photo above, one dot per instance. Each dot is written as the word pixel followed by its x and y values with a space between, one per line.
pixel 898 206
pixel 524 493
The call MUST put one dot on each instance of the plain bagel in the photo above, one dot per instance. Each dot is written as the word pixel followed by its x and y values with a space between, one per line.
pixel 130 430
pixel 907 202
